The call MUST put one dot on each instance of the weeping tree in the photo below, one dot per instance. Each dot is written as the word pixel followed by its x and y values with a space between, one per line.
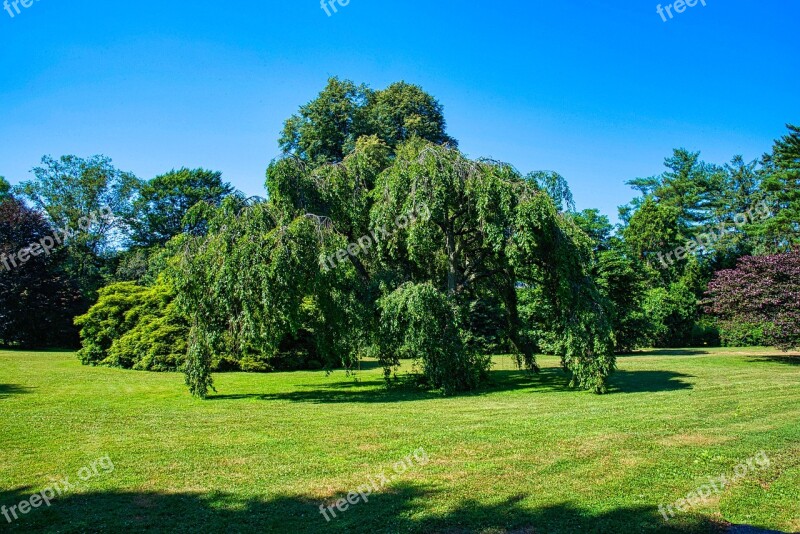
pixel 379 238
pixel 493 231
pixel 386 254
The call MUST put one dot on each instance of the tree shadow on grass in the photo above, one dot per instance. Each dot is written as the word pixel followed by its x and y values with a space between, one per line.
pixel 372 391
pixel 786 360
pixel 647 381
pixel 43 350
pixel 398 508
pixel 669 352
pixel 549 380
pixel 406 389
pixel 6 390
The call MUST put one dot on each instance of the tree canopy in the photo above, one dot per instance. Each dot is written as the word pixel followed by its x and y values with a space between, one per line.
pixel 426 221
pixel 761 294
pixel 326 129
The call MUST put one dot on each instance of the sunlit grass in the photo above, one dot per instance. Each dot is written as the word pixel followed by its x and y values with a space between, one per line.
pixel 525 454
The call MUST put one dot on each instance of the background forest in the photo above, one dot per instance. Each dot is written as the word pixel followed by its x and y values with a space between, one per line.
pixel 378 238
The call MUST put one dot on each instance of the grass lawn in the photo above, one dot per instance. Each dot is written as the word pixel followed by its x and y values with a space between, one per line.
pixel 523 455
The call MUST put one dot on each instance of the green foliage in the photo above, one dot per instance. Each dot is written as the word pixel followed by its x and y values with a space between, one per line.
pixel 596 226
pixel 106 321
pixel 251 285
pixel 268 273
pixel 743 334
pixel 403 111
pixel 556 188
pixel 160 211
pixel 550 251
pixel 731 211
pixel 780 188
pixel 671 313
pixel 5 188
pixel 134 327
pixel 621 278
pixel 706 333
pixel 419 322
pixel 622 282
pixel 653 233
pixel 690 186
pixel 71 188
pixel 490 230
pixel 133 265
pixel 328 128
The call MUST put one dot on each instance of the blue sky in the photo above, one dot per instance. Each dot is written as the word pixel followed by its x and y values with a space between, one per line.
pixel 598 90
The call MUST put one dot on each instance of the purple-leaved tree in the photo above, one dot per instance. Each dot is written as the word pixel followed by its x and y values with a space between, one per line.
pixel 762 291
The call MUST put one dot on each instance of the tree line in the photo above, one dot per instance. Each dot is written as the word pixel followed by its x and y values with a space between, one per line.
pixel 190 274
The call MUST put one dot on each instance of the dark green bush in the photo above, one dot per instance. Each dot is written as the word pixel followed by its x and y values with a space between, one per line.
pixel 742 334
pixel 706 333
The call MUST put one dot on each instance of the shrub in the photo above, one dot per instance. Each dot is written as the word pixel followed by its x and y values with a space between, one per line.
pixel 706 333
pixel 742 334
pixel 134 327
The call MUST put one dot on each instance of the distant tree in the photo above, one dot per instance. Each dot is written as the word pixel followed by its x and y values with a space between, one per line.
pixel 37 298
pixel 763 294
pixel 671 314
pixel 5 188
pixel 653 235
pixel 160 211
pixel 556 187
pixel 621 278
pixel 780 188
pixel 739 195
pixel 69 189
pixel 689 185
pixel 598 227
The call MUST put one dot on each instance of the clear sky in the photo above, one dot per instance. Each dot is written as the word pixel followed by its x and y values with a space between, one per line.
pixel 598 90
